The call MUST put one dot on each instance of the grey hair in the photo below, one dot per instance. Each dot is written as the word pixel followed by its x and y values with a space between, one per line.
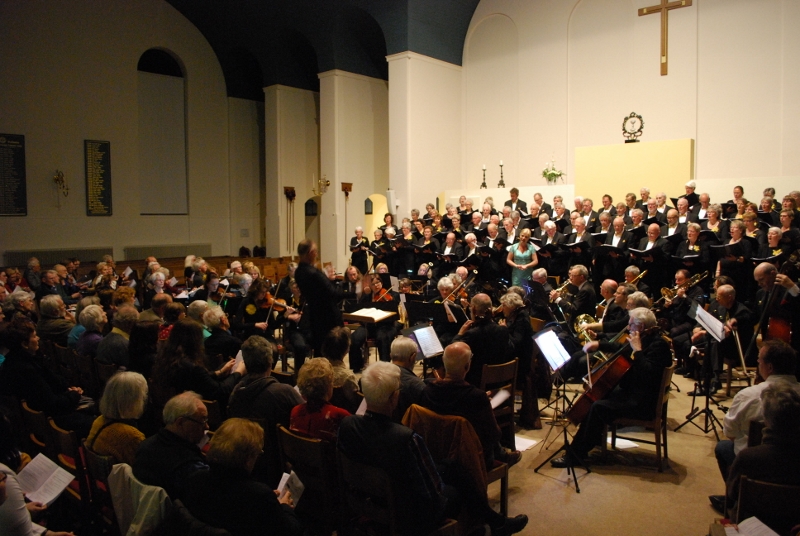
pixel 540 272
pixel 445 283
pixel 549 224
pixel 643 316
pixel 581 269
pixel 182 405
pixel 91 317
pixel 639 299
pixel 158 275
pixel 212 318
pixel 511 299
pixel 124 396
pixel 33 261
pixel 379 381
pixel 197 309
pixel 125 318
pixel 257 354
pixel 402 348
pixel 776 230
pixel 637 212
pixel 632 270
pixel 51 305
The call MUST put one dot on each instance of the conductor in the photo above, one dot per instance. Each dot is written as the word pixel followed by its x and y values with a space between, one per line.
pixel 320 293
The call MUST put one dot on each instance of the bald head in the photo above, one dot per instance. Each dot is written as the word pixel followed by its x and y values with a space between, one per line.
pixel 481 304
pixel 764 274
pixel 456 358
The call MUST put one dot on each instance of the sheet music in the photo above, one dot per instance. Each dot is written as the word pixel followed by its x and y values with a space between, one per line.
pixel 499 397
pixel 709 322
pixel 428 342
pixel 552 349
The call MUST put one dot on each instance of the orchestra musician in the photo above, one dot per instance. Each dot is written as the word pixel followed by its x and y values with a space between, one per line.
pixel 584 301
pixel 383 332
pixel 358 247
pixel 489 341
pixel 636 393
pixel 786 300
pixel 296 327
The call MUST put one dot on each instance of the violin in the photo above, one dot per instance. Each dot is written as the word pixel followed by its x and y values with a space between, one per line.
pixel 383 296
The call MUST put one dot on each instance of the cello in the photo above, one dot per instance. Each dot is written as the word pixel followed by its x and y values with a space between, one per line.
pixel 604 379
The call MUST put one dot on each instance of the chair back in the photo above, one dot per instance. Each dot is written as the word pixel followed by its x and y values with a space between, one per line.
pixel 776 505
pixel 537 324
pixel 495 378
pixel 663 400
pixel 284 377
pixel 368 491
pixel 98 468
pixel 67 448
pixel 314 462
pixel 215 417
pixel 87 375
pixel 38 431
pixel 68 364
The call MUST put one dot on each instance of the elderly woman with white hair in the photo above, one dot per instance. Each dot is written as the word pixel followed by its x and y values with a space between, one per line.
pixel 114 432
pixel 358 248
pixel 93 318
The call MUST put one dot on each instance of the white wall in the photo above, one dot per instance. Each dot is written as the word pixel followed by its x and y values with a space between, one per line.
pixel 245 119
pixel 292 159
pixel 425 114
pixel 354 148
pixel 543 77
pixel 69 74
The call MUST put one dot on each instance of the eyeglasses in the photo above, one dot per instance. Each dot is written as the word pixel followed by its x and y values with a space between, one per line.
pixel 202 422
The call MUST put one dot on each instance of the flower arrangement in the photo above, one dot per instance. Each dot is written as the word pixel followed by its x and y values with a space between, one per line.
pixel 551 174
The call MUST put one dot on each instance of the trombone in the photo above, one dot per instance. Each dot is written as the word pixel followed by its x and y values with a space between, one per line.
pixel 669 294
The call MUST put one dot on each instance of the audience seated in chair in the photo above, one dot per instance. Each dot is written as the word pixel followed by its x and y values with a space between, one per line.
pixel 404 354
pixel 345 388
pixel 114 432
pixel 220 342
pixel 317 418
pixel 113 349
pixel 93 319
pixel 226 495
pixel 777 459
pixel 55 323
pixel 170 457
pixel 424 499
pixel 452 395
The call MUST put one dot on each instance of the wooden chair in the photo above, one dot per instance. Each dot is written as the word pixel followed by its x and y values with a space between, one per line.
pixel 777 505
pixel 368 493
pixel 215 417
pixel 67 449
pixel 284 377
pixel 98 468
pixel 732 365
pixel 453 437
pixel 495 378
pixel 314 462
pixel 658 423
pixel 38 431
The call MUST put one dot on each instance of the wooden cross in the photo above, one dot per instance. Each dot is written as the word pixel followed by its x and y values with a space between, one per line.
pixel 664 8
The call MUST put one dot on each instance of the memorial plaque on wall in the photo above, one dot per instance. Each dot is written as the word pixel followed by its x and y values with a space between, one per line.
pixel 97 155
pixel 13 188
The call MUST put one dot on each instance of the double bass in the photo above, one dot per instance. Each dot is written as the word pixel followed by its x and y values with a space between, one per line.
pixel 774 321
pixel 604 379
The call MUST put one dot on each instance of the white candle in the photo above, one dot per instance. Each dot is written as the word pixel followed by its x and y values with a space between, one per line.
pixel 484 167
pixel 501 162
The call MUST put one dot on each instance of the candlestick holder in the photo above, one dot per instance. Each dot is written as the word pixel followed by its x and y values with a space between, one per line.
pixel 501 184
pixel 483 184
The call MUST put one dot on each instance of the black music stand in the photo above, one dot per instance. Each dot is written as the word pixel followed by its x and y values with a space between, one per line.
pixel 557 356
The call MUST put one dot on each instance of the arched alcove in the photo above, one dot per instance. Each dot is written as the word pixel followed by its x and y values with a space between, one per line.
pixel 163 185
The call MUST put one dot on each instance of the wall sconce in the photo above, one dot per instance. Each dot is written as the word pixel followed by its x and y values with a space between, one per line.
pixel 347 187
pixel 61 182
pixel 289 192
pixel 320 186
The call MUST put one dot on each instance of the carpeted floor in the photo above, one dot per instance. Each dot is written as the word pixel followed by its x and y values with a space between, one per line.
pixel 627 495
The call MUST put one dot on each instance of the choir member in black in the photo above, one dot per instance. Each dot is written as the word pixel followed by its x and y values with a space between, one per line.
pixel 508 233
pixel 604 223
pixel 322 299
pixel 690 248
pixel 388 222
pixel 791 235
pixel 615 313
pixel 739 268
pixel 430 212
pixel 655 260
pixel 622 211
pixel 404 252
pixel 673 226
pixel 427 239
pixel 556 263
pixel 613 264
pixel 608 206
pixel 715 224
pixel 637 392
pixel 377 247
pixel 773 246
pixel 455 228
pixel 750 220
pixel 651 211
pixel 358 248
pixel 450 247
pixel 683 211
pixel 770 206
pixel 581 234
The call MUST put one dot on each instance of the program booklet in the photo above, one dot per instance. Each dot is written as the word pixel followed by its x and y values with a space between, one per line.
pixel 42 480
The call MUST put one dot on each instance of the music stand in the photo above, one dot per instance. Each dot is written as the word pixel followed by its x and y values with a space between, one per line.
pixel 557 356
pixel 715 329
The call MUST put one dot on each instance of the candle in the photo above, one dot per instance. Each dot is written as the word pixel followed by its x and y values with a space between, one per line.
pixel 501 162
pixel 484 167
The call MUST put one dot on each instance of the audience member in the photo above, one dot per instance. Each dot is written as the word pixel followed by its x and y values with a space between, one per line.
pixel 75 333
pixel 113 349
pixel 220 342
pixel 170 457
pixel 317 417
pixel 55 323
pixel 143 347
pixel 114 432
pixel 93 319
pixel 404 355
pixel 345 387
pixel 157 306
